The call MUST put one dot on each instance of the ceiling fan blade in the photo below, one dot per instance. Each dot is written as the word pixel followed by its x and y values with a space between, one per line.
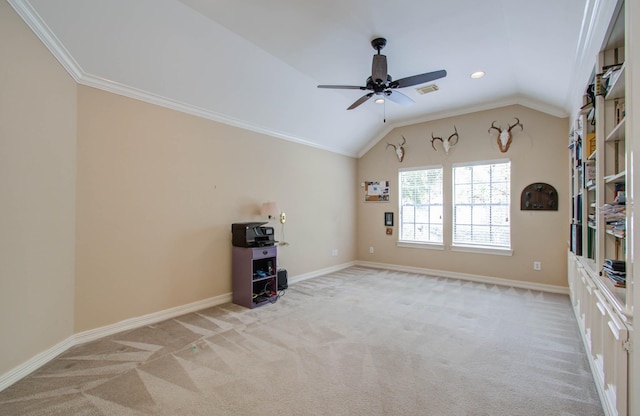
pixel 418 79
pixel 379 68
pixel 343 87
pixel 360 101
pixel 399 98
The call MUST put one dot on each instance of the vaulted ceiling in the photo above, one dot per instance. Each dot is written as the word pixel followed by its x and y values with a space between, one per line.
pixel 257 63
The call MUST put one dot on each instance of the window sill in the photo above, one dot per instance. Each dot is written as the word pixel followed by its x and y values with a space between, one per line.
pixel 483 250
pixel 415 244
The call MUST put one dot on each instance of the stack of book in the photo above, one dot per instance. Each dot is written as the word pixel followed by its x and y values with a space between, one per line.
pixel 615 219
pixel 615 271
pixel 610 77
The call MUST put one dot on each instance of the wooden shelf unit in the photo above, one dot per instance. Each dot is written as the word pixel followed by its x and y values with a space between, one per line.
pixel 255 280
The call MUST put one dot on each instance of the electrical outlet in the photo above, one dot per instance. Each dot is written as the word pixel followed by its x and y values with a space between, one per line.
pixel 334 252
pixel 371 250
pixel 537 265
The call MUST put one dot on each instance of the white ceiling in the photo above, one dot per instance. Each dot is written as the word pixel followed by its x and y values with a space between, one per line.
pixel 256 63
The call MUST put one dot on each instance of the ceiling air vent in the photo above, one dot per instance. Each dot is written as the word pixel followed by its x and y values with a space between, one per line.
pixel 427 89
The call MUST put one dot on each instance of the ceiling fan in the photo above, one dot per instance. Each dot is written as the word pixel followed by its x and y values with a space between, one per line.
pixel 381 83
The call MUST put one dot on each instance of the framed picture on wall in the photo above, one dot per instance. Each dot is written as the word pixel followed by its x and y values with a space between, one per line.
pixel 388 219
pixel 376 191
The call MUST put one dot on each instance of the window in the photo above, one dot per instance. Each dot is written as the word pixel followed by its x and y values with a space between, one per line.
pixel 421 205
pixel 481 204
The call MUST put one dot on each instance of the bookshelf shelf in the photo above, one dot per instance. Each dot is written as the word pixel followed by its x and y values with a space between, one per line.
pixel 618 132
pixel 617 178
pixel 613 233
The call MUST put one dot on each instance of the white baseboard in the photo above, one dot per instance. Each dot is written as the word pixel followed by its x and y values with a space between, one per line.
pixel 320 272
pixel 152 318
pixel 44 357
pixel 34 363
pixel 470 277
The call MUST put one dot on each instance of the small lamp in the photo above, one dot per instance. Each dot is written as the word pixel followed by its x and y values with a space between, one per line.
pixel 270 209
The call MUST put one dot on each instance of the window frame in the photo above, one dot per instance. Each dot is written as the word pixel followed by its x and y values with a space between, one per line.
pixel 419 243
pixel 479 247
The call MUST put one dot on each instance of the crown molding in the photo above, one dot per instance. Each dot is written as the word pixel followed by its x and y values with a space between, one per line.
pixel 46 36
pixel 141 95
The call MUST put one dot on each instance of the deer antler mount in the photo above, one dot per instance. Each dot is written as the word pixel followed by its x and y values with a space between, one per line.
pixel 504 135
pixel 448 143
pixel 399 148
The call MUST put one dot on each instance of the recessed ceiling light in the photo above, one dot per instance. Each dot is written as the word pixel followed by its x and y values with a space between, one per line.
pixel 379 100
pixel 477 74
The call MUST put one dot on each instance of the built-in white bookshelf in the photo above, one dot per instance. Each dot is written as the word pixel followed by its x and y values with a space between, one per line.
pixel 601 249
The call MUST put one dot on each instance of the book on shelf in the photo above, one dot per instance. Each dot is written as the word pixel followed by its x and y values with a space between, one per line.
pixel 615 219
pixel 589 173
pixel 577 208
pixel 577 153
pixel 615 270
pixel 610 77
pixel 591 145
pixel 619 111
pixel 617 283
pixel 591 243
pixel 610 74
pixel 576 239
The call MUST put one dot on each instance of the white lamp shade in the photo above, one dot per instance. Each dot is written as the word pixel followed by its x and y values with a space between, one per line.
pixel 270 209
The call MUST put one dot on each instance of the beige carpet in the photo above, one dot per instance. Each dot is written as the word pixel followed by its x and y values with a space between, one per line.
pixel 355 342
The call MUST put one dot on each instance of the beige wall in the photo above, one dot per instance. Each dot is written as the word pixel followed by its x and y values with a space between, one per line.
pixel 158 191
pixel 538 154
pixel 37 195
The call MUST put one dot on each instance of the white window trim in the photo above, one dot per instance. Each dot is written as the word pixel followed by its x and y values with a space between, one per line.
pixel 480 162
pixel 482 250
pixel 411 169
pixel 416 244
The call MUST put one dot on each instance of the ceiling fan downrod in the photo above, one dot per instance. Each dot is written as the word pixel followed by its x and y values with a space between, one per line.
pixel 378 44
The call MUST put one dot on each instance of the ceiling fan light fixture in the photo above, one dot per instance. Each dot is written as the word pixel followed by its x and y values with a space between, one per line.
pixel 379 100
pixel 477 74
